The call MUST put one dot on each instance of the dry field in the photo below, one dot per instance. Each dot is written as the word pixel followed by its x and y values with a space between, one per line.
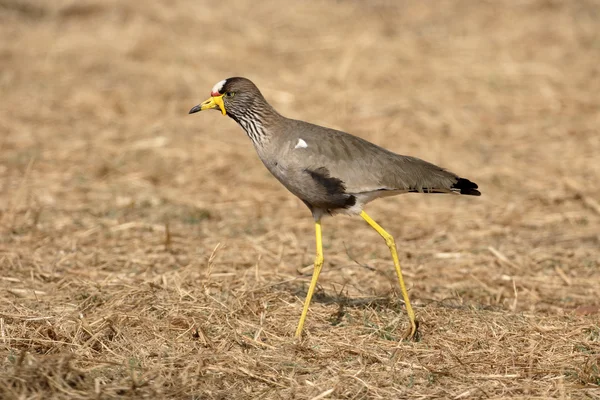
pixel 147 253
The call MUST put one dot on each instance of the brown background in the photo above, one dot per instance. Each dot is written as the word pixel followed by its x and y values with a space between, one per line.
pixel 148 253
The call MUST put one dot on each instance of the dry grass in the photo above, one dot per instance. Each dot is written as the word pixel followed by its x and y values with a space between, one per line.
pixel 148 253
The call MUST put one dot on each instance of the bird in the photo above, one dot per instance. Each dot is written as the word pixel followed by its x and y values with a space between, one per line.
pixel 331 171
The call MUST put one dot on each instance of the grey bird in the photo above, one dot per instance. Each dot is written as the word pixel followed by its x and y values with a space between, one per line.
pixel 330 171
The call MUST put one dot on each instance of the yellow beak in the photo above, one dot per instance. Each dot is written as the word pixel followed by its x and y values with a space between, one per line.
pixel 213 102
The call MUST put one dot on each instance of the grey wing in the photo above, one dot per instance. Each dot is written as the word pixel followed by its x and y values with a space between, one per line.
pixel 365 167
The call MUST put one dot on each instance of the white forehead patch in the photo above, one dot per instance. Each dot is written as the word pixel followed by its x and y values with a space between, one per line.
pixel 217 88
pixel 301 144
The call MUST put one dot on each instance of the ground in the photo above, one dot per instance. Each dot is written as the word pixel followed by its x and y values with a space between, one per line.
pixel 147 253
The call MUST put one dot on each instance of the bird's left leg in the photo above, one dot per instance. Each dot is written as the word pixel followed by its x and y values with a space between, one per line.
pixel 389 240
pixel 315 276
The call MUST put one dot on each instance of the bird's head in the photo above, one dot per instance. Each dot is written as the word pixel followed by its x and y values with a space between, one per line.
pixel 233 96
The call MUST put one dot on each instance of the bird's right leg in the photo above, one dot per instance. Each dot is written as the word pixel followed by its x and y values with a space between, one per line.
pixel 315 277
pixel 389 240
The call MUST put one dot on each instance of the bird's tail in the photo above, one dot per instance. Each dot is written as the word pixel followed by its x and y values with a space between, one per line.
pixel 465 186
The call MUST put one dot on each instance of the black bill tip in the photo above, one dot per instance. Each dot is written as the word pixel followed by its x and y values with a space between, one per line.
pixel 195 109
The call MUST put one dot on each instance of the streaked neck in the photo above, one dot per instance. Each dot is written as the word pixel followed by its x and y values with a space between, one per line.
pixel 255 120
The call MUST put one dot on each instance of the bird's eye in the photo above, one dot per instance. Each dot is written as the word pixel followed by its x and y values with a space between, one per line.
pixel 230 94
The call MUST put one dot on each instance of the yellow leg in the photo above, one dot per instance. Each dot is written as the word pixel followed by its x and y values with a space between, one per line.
pixel 389 240
pixel 315 277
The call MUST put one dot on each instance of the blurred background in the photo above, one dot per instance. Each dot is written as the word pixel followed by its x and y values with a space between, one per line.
pixel 104 175
pixel 95 94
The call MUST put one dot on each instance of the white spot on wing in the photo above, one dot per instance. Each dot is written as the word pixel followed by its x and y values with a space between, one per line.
pixel 217 88
pixel 301 144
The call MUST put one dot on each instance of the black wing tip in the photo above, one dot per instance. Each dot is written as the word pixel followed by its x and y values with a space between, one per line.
pixel 466 187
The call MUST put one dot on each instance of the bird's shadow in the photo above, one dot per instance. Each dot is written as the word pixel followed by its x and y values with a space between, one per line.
pixel 343 301
pixel 391 301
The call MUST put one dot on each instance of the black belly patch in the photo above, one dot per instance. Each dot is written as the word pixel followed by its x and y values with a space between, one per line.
pixel 333 186
pixel 331 191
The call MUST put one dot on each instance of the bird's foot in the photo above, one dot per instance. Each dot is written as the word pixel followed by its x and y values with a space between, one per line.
pixel 412 334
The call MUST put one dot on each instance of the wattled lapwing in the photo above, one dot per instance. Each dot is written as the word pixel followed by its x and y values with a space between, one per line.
pixel 331 171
